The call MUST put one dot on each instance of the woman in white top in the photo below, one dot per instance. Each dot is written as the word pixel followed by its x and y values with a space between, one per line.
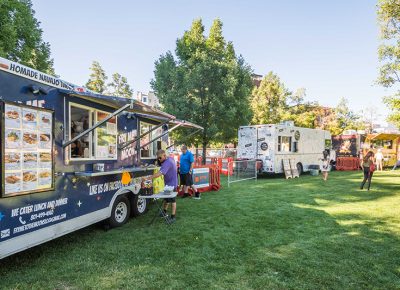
pixel 325 165
pixel 379 160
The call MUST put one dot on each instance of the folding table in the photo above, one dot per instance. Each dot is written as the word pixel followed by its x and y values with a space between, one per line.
pixel 159 198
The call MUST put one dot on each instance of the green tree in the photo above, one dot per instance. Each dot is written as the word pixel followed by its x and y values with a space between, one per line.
pixel 393 102
pixel 207 84
pixel 119 87
pixel 21 36
pixel 270 100
pixel 304 114
pixel 346 118
pixel 389 53
pixel 97 79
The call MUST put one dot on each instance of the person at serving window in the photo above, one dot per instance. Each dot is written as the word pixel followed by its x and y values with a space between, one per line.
pixel 168 170
pixel 77 149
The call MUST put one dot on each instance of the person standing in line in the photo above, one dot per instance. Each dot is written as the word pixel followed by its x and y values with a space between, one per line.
pixel 185 172
pixel 168 170
pixel 325 166
pixel 379 160
pixel 368 167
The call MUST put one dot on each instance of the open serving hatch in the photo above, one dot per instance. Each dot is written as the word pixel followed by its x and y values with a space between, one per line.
pixel 139 110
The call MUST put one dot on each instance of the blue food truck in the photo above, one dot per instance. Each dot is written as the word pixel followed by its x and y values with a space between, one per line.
pixel 70 157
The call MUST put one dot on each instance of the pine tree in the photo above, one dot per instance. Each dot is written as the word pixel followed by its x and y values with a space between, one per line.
pixel 98 78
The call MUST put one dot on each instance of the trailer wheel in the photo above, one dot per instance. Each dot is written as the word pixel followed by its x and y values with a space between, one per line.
pixel 299 168
pixel 120 211
pixel 139 205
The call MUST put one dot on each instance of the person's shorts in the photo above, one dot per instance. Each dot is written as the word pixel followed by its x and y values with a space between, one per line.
pixel 186 179
pixel 170 200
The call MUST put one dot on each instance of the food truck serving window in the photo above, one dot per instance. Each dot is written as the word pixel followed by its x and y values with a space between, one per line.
pixel 106 137
pixel 284 144
pixel 100 145
pixel 80 120
pixel 386 144
pixel 150 150
pixel 27 149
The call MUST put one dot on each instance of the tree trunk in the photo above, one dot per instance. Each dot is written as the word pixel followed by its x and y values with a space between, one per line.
pixel 204 152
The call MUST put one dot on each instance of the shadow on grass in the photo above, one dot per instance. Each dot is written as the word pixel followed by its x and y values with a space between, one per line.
pixel 254 235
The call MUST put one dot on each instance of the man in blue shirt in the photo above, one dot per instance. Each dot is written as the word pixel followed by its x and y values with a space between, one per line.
pixel 185 172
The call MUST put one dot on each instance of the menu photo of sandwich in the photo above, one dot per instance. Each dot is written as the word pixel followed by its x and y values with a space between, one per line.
pixel 45 119
pixel 29 118
pixel 13 139
pixel 45 179
pixel 12 181
pixel 12 161
pixel 45 159
pixel 30 139
pixel 30 160
pixel 12 116
pixel 29 179
pixel 44 140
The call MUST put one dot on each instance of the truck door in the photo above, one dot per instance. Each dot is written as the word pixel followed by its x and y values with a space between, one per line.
pixel 247 143
pixel 265 148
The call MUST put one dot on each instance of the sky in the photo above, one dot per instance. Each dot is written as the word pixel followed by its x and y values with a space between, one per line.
pixel 327 47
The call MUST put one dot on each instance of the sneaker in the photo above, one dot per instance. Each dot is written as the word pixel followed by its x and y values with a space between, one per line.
pixel 172 220
pixel 163 215
pixel 197 195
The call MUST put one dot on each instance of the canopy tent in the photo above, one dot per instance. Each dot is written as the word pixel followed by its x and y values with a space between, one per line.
pixel 383 136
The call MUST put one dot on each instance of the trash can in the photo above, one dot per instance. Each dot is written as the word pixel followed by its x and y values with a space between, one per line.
pixel 314 170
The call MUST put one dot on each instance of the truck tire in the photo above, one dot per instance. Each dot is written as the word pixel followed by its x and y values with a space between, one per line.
pixel 120 211
pixel 139 206
pixel 299 168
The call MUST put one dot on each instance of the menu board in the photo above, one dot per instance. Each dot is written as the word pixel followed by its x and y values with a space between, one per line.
pixel 28 147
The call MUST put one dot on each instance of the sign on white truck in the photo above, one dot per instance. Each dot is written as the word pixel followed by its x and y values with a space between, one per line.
pixel 273 143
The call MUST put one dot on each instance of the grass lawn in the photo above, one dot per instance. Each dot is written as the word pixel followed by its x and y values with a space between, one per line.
pixel 269 234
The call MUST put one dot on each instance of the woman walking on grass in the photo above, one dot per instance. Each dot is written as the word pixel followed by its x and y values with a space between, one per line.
pixel 368 167
pixel 325 166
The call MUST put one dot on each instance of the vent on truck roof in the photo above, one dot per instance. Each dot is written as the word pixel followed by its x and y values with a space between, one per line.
pixel 287 123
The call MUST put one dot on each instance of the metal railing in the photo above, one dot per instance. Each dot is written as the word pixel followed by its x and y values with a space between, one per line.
pixel 242 170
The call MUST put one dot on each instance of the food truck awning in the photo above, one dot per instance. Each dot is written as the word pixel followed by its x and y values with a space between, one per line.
pixel 132 106
pixel 383 136
pixel 118 102
pixel 140 109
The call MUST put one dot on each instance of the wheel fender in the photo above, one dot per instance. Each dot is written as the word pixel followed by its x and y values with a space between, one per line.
pixel 135 188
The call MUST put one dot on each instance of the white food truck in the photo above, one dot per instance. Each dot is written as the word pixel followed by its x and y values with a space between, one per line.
pixel 273 143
